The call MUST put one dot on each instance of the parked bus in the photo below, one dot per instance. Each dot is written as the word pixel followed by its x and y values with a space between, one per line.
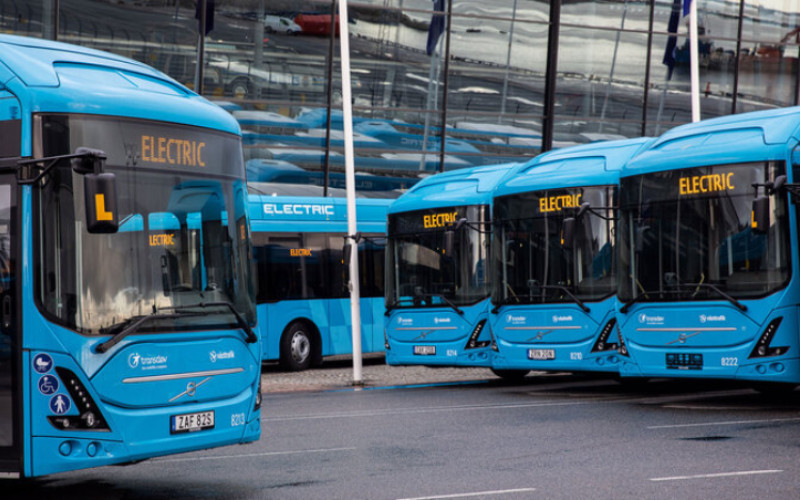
pixel 303 301
pixel 708 241
pixel 437 287
pixel 554 259
pixel 127 308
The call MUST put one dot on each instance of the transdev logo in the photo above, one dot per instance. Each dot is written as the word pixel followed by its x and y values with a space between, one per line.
pixel 710 319
pixel 135 360
pixel 441 320
pixel 515 320
pixel 404 321
pixel 651 320
pixel 215 355
pixel 561 319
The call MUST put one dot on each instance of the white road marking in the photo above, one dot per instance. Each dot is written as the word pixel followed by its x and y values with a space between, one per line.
pixel 250 455
pixel 474 494
pixel 430 409
pixel 719 474
pixel 729 422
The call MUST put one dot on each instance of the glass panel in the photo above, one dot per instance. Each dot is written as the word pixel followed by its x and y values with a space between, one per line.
pixel 686 235
pixel 423 272
pixel 6 334
pixel 532 263
pixel 183 236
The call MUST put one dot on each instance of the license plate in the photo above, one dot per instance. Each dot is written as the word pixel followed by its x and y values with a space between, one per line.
pixel 684 361
pixel 192 422
pixel 541 354
pixel 425 350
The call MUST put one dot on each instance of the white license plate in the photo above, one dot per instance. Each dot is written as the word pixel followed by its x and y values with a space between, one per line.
pixel 425 350
pixel 191 422
pixel 541 354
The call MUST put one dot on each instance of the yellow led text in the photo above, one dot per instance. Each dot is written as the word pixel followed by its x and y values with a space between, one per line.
pixel 558 203
pixel 438 220
pixel 162 240
pixel 172 151
pixel 300 252
pixel 710 183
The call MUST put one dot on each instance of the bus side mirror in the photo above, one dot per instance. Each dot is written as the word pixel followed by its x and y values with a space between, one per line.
pixel 568 232
pixel 347 253
pixel 759 217
pixel 100 198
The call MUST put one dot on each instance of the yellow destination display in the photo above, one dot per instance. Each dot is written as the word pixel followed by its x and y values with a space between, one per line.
pixel 709 183
pixel 300 252
pixel 559 203
pixel 162 240
pixel 439 220
pixel 173 151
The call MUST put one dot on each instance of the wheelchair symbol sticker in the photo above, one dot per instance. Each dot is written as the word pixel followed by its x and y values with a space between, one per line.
pixel 59 404
pixel 42 363
pixel 48 384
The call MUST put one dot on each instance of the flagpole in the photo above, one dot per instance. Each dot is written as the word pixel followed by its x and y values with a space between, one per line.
pixel 694 60
pixel 350 184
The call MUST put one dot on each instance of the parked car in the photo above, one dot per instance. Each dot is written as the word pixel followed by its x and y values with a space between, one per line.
pixel 279 24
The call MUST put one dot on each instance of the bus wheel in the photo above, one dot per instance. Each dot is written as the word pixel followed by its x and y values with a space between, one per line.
pixel 511 374
pixel 296 347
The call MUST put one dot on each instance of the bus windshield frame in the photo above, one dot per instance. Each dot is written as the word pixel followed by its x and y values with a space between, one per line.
pixel 183 239
pixel 685 235
pixel 532 264
pixel 420 274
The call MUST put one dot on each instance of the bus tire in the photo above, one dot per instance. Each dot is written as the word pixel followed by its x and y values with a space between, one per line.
pixel 511 374
pixel 296 347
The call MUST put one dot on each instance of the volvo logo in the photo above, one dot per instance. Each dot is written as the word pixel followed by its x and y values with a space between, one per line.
pixel 539 335
pixel 191 389
pixel 682 338
pixel 423 335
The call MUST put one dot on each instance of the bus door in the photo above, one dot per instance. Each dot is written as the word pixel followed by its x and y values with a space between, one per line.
pixel 10 387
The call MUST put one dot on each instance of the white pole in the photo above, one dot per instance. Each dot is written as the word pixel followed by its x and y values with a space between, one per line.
pixel 694 57
pixel 350 184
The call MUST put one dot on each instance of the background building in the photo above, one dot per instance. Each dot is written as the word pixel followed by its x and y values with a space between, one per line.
pixel 506 79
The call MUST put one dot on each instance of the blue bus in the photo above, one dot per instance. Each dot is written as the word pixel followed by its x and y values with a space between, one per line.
pixel 127 306
pixel 554 261
pixel 708 238
pixel 437 287
pixel 302 297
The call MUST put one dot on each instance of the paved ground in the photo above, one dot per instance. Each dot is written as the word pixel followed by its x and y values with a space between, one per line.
pixel 337 373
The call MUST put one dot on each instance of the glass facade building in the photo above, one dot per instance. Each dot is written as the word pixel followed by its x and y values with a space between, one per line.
pixel 504 79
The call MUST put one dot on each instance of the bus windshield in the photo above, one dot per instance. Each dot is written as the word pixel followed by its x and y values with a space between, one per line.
pixel 686 235
pixel 532 264
pixel 421 273
pixel 183 235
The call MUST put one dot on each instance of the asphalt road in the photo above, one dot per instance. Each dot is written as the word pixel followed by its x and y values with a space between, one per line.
pixel 549 436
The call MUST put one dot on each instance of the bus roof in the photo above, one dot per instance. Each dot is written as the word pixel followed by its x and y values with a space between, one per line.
pixel 315 214
pixel 57 77
pixel 585 165
pixel 756 136
pixel 466 186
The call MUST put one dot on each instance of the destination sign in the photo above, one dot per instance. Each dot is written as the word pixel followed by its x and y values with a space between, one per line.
pixel 298 209
pixel 433 221
pixel 709 183
pixel 173 151
pixel 300 252
pixel 558 203
pixel 162 240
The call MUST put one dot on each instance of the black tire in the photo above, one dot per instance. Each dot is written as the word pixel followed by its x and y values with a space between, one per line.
pixel 297 347
pixel 511 374
pixel 240 88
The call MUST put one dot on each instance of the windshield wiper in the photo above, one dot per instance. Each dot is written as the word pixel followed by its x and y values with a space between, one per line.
pixel 132 328
pixel 569 294
pixel 721 293
pixel 504 302
pixel 627 304
pixel 180 311
pixel 445 300
pixel 251 336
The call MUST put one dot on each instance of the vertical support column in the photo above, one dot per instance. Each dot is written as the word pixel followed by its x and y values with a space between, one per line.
pixel 548 121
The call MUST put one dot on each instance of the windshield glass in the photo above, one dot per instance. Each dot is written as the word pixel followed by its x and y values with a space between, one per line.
pixel 533 266
pixel 183 234
pixel 685 235
pixel 420 273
